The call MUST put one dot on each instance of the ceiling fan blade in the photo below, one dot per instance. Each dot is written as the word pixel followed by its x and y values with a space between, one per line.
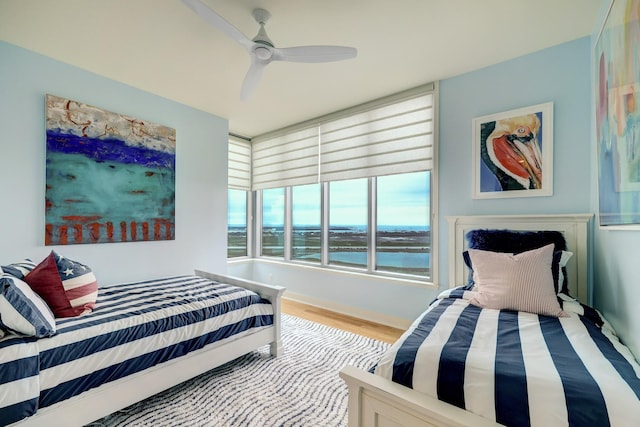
pixel 218 22
pixel 252 78
pixel 314 53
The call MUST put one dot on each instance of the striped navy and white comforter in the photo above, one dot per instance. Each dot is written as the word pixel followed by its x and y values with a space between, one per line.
pixel 134 326
pixel 517 368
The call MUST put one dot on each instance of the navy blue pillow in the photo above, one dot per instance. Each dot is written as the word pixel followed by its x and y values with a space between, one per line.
pixel 514 241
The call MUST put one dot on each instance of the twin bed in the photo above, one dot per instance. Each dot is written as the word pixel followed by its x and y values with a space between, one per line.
pixel 544 358
pixel 140 339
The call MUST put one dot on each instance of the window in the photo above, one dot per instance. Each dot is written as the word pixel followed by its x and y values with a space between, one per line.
pixel 348 225
pixel 391 211
pixel 272 242
pixel 237 223
pixel 351 190
pixel 306 232
pixel 403 239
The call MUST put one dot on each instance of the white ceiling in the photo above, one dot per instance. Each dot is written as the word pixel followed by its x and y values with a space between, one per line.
pixel 163 47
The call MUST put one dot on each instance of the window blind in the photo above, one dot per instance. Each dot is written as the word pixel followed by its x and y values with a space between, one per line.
pixel 239 165
pixel 289 159
pixel 382 137
pixel 389 139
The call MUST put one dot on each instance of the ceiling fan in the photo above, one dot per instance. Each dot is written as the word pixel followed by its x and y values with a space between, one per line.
pixel 261 48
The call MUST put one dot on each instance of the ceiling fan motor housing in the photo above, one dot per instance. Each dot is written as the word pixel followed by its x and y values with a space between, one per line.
pixel 262 52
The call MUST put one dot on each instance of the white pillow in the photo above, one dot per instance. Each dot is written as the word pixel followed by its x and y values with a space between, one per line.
pixel 521 282
pixel 564 259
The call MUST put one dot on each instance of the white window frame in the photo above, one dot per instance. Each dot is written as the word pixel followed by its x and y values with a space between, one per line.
pixel 239 178
pixel 370 268
pixel 297 130
pixel 249 221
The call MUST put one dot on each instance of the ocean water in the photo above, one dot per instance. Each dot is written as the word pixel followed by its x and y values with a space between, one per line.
pixel 407 260
pixel 385 259
pixel 399 259
pixel 358 229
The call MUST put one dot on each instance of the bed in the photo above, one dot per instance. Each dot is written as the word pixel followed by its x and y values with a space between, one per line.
pixel 464 363
pixel 141 338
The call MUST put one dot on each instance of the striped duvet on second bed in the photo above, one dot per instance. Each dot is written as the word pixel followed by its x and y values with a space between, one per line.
pixel 519 369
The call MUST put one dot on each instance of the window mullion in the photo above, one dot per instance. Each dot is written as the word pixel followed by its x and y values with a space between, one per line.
pixel 250 224
pixel 372 226
pixel 324 224
pixel 288 215
pixel 258 224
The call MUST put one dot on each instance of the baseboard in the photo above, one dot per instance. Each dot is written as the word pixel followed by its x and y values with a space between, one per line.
pixel 371 316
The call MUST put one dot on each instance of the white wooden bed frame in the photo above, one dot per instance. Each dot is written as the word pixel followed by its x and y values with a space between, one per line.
pixel 111 397
pixel 376 401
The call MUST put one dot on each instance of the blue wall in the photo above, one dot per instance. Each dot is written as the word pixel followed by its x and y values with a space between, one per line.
pixel 201 171
pixel 561 75
pixel 617 273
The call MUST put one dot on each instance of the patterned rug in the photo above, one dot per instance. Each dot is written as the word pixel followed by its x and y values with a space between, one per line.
pixel 300 388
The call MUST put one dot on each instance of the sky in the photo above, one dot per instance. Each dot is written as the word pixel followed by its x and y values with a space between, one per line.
pixel 402 200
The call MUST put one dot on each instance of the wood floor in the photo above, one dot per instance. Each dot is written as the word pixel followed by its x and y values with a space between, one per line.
pixel 341 321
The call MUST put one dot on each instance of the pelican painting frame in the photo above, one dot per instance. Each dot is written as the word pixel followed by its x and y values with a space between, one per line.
pixel 513 153
pixel 617 115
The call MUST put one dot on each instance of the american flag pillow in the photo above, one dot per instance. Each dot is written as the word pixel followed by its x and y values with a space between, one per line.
pixel 68 287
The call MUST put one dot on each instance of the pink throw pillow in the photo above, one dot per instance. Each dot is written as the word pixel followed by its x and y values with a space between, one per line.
pixel 521 282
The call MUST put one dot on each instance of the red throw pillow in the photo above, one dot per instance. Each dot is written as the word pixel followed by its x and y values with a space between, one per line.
pixel 68 287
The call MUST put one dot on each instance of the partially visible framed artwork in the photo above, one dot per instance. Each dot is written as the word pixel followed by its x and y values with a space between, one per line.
pixel 109 177
pixel 617 110
pixel 513 153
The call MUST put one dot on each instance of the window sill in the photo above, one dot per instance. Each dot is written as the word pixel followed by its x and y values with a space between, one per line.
pixel 339 271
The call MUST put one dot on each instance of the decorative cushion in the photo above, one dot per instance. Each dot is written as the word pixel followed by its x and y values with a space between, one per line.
pixel 521 282
pixel 514 241
pixel 517 241
pixel 22 310
pixel 558 270
pixel 19 269
pixel 69 287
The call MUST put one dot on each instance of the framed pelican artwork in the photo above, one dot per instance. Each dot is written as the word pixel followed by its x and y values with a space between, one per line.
pixel 617 115
pixel 513 153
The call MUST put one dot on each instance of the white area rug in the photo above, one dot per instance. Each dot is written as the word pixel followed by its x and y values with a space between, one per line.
pixel 300 388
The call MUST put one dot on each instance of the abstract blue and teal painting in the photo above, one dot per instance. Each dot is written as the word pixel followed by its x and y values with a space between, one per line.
pixel 109 177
